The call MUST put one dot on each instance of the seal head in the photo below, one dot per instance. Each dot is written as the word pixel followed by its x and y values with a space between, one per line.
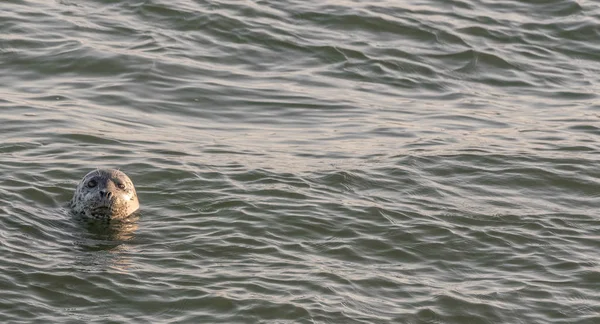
pixel 104 195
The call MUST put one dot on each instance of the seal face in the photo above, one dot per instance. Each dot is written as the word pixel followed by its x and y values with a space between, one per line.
pixel 104 195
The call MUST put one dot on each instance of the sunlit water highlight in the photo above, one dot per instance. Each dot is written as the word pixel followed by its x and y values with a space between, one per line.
pixel 303 161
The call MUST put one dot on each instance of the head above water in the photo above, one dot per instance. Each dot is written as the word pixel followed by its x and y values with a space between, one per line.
pixel 105 194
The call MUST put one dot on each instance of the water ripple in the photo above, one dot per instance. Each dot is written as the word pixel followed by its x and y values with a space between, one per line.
pixel 303 162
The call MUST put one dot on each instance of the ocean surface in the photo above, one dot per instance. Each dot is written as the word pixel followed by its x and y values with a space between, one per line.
pixel 426 161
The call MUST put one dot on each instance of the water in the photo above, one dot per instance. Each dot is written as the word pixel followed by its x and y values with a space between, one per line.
pixel 303 161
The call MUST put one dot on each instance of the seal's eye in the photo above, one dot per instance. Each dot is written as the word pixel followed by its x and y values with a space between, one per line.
pixel 121 186
pixel 92 183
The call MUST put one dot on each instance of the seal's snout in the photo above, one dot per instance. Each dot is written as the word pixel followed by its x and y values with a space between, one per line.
pixel 106 194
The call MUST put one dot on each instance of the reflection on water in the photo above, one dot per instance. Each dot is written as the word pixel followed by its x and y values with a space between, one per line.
pixel 116 231
pixel 105 244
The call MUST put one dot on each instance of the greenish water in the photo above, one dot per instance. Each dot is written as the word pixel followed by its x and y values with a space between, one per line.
pixel 303 161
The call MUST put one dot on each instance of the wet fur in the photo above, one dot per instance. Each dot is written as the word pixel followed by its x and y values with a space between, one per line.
pixel 105 200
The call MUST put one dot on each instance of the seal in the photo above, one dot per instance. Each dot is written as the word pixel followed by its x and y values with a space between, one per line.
pixel 105 194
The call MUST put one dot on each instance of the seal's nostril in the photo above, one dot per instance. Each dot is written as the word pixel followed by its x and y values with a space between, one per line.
pixel 102 193
pixel 109 195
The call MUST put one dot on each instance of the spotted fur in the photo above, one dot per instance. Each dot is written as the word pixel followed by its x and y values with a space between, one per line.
pixel 105 194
